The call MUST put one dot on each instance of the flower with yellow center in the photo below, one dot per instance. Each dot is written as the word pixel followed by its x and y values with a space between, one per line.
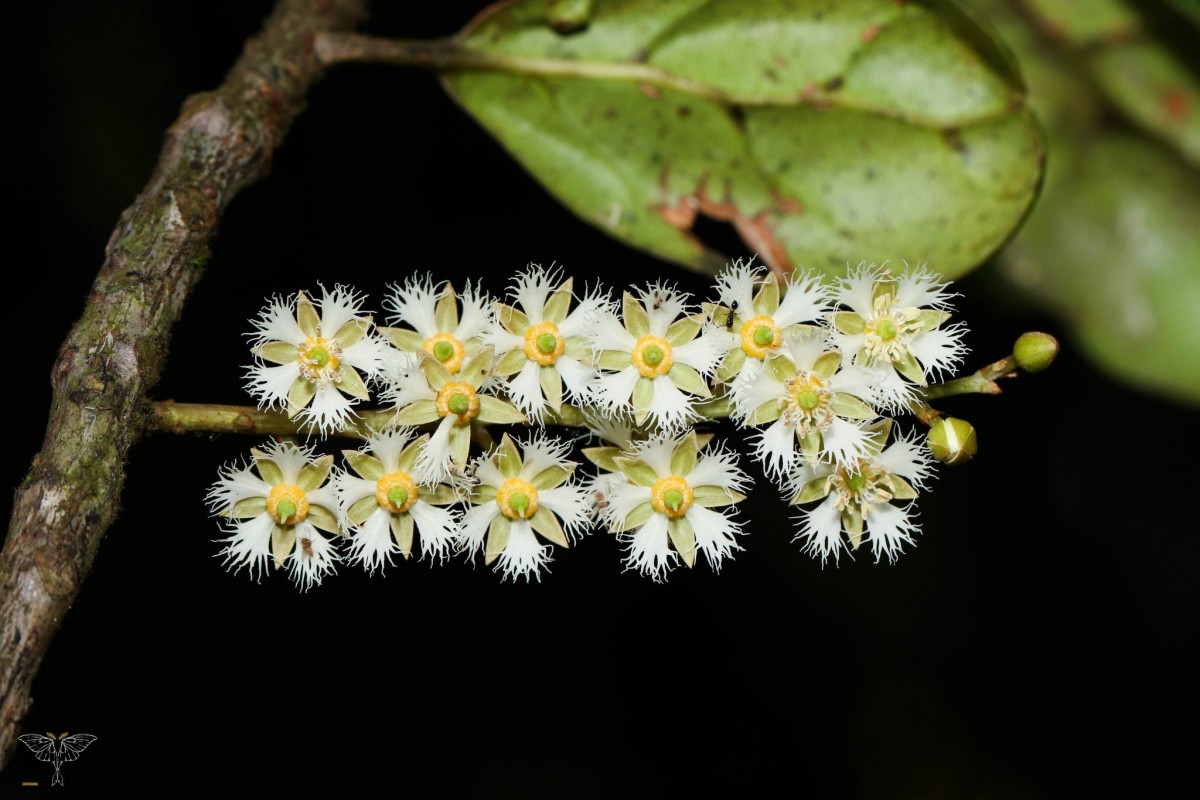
pixel 755 313
pixel 275 510
pixel 542 350
pixel 523 491
pixel 655 359
pixel 858 498
pixel 662 503
pixel 894 323
pixel 434 319
pixel 316 364
pixel 431 393
pixel 812 405
pixel 386 496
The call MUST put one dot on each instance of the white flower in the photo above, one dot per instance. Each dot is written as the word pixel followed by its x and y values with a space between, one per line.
pixel 667 497
pixel 435 324
pixel 859 497
pixel 387 494
pixel 753 323
pixel 657 358
pixel 813 402
pixel 895 322
pixel 542 349
pixel 521 494
pixel 314 364
pixel 274 511
pixel 430 393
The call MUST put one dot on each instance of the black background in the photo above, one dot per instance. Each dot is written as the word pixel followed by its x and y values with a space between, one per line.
pixel 1037 643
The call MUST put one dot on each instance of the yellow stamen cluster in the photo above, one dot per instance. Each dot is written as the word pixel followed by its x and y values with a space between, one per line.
pixel 543 343
pixel 760 335
pixel 287 504
pixel 807 403
pixel 396 492
pixel 671 496
pixel 652 356
pixel 319 359
pixel 860 486
pixel 447 350
pixel 889 328
pixel 517 498
pixel 460 399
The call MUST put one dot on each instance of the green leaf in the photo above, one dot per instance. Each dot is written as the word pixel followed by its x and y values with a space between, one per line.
pixel 683 536
pixel 877 128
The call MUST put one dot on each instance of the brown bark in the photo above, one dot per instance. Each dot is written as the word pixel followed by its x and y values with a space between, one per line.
pixel 222 142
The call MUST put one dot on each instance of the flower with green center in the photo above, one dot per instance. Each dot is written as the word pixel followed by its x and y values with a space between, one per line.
pixel 386 496
pixel 754 322
pixel 273 510
pixel 315 364
pixel 859 497
pixel 895 325
pixel 663 505
pixel 428 319
pixel 811 402
pixel 455 401
pixel 655 360
pixel 542 348
pixel 522 491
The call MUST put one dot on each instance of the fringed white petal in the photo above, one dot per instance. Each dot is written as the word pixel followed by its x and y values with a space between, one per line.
pixel 615 430
pixel 909 459
pixel 735 287
pixel 437 530
pixel 844 441
pixel 277 323
pixel 804 300
pixel 234 484
pixel 656 452
pixel 821 530
pixel 750 393
pixel 525 391
pixel 502 340
pixel 325 496
pixel 249 546
pixel 329 409
pixel 313 558
pixel 573 505
pixel 406 386
pixel 523 556
pixel 387 446
pixel 591 308
pixel 805 347
pixel 475 316
pixel 338 307
pixel 532 288
pixel 577 379
pixel 269 384
pixel 648 549
pixel 715 534
pixel 487 473
pixel 920 287
pixel 621 496
pixel 412 304
pixel 607 332
pixel 539 452
pixel 663 304
pixel 369 355
pixel 718 467
pixel 889 528
pixel 857 288
pixel 289 457
pixel 856 380
pixel 892 392
pixel 670 408
pixel 351 488
pixel 704 353
pixel 939 351
pixel 613 392
pixel 434 459
pixel 474 525
pixel 776 448
pixel 372 545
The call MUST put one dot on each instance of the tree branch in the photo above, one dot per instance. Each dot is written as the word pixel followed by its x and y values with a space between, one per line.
pixel 222 142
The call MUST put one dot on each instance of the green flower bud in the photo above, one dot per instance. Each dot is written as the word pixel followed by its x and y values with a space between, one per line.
pixel 1035 351
pixel 952 440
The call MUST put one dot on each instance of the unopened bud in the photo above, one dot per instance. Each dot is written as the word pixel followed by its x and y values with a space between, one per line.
pixel 1035 351
pixel 952 440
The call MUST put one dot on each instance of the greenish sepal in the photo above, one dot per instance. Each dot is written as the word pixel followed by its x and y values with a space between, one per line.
pixel 643 398
pixel 484 494
pixel 767 412
pixel 684 329
pixel 497 538
pixel 545 523
pixel 683 536
pixel 511 319
pixel 612 359
pixel 445 313
pixel 689 380
pixel 812 491
pixel 731 365
pixel 352 383
pixel 850 407
pixel 495 411
pixel 578 348
pixel 300 395
pixel 848 322
pixel 507 458
pixel 443 494
pixel 361 510
pixel 902 489
pixel 477 367
pixel 283 541
pixel 278 352
pixel 552 386
pixel 782 368
pixel 683 458
pixel 551 477
pixel 637 471
pixel 403 339
pixel 364 465
pixel 313 476
pixel 421 412
pixel 715 496
pixel 435 372
pixel 267 468
pixel 852 521
pixel 559 304
pixel 324 519
pixel 247 508
pixel 636 518
pixel 827 365
pixel 510 363
pixel 810 444
pixel 460 445
pixel 766 302
pixel 930 318
pixel 306 315
pixel 603 457
pixel 634 316
pixel 402 531
pixel 352 331
pixel 909 368
pixel 409 455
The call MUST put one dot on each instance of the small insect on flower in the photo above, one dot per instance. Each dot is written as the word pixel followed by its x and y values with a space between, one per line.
pixel 430 393
pixel 667 498
pixel 813 401
pixel 541 344
pixel 315 364
pixel 273 509
pixel 387 495
pixel 435 324
pixel 895 322
pixel 753 319
pixel 859 498
pixel 522 493
pixel 655 358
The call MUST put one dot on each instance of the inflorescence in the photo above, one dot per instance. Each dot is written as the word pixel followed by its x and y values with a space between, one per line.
pixel 814 369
